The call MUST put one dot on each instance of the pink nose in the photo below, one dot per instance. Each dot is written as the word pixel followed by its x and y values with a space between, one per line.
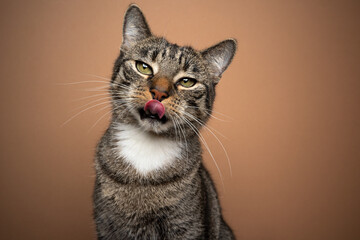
pixel 159 95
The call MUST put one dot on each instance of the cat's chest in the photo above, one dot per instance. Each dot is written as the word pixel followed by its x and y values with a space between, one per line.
pixel 145 152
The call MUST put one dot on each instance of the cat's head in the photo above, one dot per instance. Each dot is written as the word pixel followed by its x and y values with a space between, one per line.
pixel 162 87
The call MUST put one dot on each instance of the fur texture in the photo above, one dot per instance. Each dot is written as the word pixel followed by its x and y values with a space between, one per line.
pixel 137 148
pixel 150 180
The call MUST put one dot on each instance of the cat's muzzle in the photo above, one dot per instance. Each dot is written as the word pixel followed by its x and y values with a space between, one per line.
pixel 147 115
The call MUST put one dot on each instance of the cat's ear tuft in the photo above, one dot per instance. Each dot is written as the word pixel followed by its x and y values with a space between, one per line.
pixel 135 27
pixel 219 56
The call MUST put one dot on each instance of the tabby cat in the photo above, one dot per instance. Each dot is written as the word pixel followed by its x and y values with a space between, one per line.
pixel 150 179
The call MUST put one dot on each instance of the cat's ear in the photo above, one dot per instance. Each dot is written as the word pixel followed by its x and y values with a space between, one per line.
pixel 219 56
pixel 135 27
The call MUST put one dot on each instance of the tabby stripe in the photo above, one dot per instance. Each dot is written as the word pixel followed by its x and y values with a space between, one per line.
pixel 173 51
pixel 121 73
pixel 163 53
pixel 126 75
pixel 144 52
pixel 119 61
pixel 207 100
pixel 195 69
pixel 186 64
pixel 154 54
pixel 198 95
pixel 191 103
pixel 181 56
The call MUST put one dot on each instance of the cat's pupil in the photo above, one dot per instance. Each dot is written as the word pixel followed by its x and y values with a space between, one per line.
pixel 144 66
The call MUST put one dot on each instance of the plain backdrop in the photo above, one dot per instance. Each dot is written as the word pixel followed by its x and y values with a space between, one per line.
pixel 287 112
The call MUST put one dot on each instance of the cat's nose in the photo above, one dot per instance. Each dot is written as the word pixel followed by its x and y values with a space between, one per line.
pixel 160 88
pixel 159 95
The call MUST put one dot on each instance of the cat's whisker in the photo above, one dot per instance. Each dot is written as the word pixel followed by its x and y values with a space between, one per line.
pixel 222 135
pixel 97 111
pixel 99 120
pixel 82 112
pixel 97 76
pixel 186 143
pixel 129 106
pixel 209 113
pixel 197 132
pixel 179 129
pixel 95 90
pixel 107 113
pixel 203 124
pixel 82 82
pixel 207 128
pixel 175 129
pixel 183 132
pixel 95 95
pixel 222 114
pixel 94 101
pixel 122 85
pixel 106 88
pixel 173 120
pixel 222 120
pixel 126 98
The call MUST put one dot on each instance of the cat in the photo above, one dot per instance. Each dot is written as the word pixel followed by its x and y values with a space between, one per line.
pixel 150 179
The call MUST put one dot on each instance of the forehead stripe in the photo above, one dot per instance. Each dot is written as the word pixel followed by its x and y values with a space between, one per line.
pixel 186 64
pixel 173 51
pixel 154 54
pixel 181 56
pixel 144 52
pixel 163 53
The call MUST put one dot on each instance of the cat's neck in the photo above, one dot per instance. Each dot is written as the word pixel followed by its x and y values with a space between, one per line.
pixel 144 151
pixel 123 149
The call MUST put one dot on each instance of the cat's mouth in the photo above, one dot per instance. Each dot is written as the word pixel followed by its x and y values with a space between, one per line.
pixel 152 117
pixel 153 110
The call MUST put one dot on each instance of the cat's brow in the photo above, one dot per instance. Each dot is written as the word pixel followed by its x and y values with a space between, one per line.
pixel 182 74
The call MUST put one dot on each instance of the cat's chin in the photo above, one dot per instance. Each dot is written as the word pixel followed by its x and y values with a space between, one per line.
pixel 154 126
pixel 151 117
pixel 153 123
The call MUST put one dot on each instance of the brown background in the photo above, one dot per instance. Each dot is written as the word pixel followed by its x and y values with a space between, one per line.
pixel 291 99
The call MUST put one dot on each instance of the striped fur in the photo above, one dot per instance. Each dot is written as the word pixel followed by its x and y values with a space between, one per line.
pixel 143 189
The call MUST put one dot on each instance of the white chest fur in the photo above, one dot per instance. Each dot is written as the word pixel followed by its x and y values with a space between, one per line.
pixel 144 151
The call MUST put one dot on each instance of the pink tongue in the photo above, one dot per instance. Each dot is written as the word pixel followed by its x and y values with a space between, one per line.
pixel 155 107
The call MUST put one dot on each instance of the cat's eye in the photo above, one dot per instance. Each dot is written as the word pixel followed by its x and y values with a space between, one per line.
pixel 143 68
pixel 187 82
